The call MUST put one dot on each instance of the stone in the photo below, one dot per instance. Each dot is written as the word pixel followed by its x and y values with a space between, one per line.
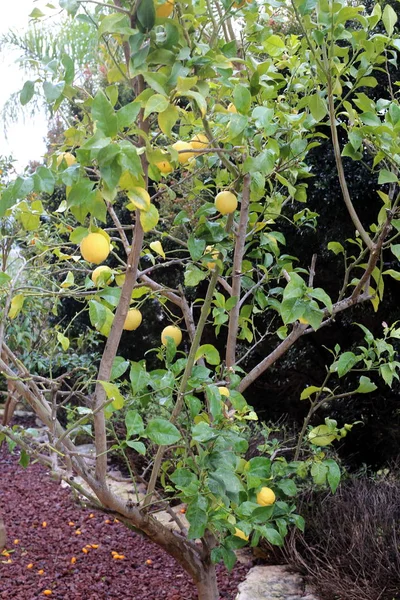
pixel 274 583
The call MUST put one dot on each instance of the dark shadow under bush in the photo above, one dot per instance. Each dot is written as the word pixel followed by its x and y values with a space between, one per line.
pixel 351 547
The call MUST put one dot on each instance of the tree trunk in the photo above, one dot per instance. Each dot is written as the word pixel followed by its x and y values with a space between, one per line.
pixel 2 535
pixel 206 584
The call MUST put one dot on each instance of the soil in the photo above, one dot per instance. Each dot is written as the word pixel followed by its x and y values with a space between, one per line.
pixel 48 538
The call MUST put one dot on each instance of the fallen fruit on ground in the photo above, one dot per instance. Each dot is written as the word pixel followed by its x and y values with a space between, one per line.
pixel 266 497
pixel 173 332
pixel 133 319
pixel 183 157
pixel 102 270
pixel 95 248
pixel 165 9
pixel 226 202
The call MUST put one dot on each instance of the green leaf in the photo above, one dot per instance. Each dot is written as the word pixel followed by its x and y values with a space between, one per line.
pixel 64 341
pixel 167 119
pixel 127 115
pixel 210 353
pixel 193 275
pixel 288 487
pixel 138 446
pixel 333 474
pixel 319 472
pixel 53 91
pixel 149 218
pixel 146 15
pixel 389 19
pixel 198 519
pixel 115 23
pixel 16 306
pixel 336 247
pixel 113 393
pixel 322 296
pixel 139 378
pixel 100 317
pixel 365 386
pixel 156 103
pixel 346 362
pixel 157 81
pixel 321 435
pixel 196 247
pixel 162 432
pixel 318 107
pixel 242 98
pixel 24 459
pixel 272 536
pixel 104 114
pixel 119 367
pixel 395 248
pixel 27 92
pixel 134 423
pixel 274 45
pixel 386 176
pixel 71 6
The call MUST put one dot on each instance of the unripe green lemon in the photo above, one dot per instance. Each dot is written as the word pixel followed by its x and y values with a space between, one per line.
pixel 95 248
pixel 265 497
pixel 107 272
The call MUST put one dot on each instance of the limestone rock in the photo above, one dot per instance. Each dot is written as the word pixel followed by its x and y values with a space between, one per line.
pixel 273 583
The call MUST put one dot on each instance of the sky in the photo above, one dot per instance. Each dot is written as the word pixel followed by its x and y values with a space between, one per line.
pixel 25 139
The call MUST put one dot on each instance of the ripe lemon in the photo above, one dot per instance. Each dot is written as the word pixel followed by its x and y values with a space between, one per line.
pixel 107 272
pixel 173 332
pixel 199 141
pixel 232 108
pixel 214 254
pixel 68 157
pixel 133 319
pixel 183 157
pixel 226 202
pixel 265 497
pixel 240 534
pixel 165 167
pixel 224 391
pixel 95 248
pixel 165 10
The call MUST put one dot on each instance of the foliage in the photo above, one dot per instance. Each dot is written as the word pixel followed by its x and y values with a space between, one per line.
pixel 262 99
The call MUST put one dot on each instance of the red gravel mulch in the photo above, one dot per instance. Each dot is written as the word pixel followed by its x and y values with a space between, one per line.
pixel 48 538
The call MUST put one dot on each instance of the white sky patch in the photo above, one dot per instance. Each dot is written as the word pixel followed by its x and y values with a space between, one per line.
pixel 25 138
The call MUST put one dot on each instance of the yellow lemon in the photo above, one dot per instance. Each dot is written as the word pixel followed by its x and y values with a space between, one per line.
pixel 133 319
pixel 183 157
pixel 95 248
pixel 68 157
pixel 165 10
pixel 214 254
pixel 199 141
pixel 265 497
pixel 232 108
pixel 173 332
pixel 224 391
pixel 165 167
pixel 103 269
pixel 226 202
pixel 240 534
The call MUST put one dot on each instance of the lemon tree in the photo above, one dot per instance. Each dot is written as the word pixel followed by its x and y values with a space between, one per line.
pixel 223 110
